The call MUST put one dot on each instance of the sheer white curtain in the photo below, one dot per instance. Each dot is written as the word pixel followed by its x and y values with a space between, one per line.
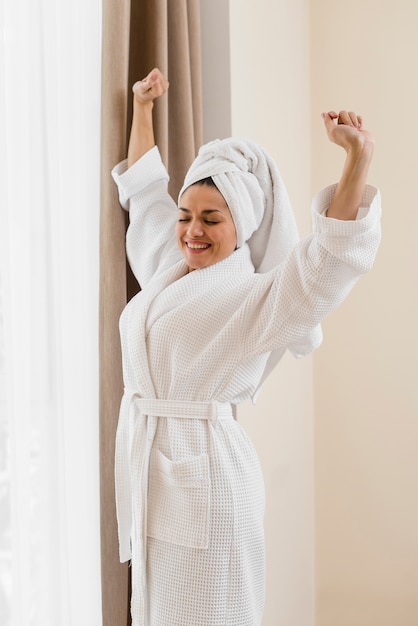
pixel 49 210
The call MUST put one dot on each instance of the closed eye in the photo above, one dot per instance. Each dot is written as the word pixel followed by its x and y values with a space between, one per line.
pixel 186 219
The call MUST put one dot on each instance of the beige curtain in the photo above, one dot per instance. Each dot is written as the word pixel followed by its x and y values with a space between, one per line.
pixel 137 36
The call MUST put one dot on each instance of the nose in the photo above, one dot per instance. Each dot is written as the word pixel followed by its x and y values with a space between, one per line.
pixel 196 228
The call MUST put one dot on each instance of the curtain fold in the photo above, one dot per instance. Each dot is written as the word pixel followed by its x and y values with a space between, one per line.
pixel 138 35
pixel 115 54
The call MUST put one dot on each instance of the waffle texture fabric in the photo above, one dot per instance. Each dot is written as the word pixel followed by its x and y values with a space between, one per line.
pixel 190 495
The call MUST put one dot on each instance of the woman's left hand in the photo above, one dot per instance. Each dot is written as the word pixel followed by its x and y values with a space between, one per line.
pixel 346 130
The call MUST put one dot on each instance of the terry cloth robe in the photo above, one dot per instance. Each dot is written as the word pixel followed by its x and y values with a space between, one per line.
pixel 190 493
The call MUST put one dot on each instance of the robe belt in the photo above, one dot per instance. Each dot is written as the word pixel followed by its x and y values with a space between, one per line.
pixel 135 435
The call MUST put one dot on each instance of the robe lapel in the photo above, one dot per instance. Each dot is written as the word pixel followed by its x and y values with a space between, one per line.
pixel 138 312
pixel 182 286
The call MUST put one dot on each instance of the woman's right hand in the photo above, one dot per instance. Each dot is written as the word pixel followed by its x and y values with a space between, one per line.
pixel 151 87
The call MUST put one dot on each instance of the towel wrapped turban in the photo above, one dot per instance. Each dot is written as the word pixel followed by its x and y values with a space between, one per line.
pixel 249 180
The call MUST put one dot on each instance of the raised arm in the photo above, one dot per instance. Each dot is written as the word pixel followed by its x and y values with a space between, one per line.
pixel 346 130
pixel 142 130
pixel 142 184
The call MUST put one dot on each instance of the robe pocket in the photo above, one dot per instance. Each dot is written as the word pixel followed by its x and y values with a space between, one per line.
pixel 179 500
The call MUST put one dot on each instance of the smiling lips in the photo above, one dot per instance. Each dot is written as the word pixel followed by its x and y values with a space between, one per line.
pixel 197 246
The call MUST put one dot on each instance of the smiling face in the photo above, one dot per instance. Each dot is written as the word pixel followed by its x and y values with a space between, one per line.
pixel 205 230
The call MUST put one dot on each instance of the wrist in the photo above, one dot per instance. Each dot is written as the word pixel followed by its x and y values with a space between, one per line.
pixel 361 149
pixel 145 105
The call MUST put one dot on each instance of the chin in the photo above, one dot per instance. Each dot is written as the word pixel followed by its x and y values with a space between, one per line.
pixel 197 266
pixel 196 263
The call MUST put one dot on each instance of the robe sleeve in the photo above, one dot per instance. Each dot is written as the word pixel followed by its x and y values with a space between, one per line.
pixel 150 241
pixel 290 301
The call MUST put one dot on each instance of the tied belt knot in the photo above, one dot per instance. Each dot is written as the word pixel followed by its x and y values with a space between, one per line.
pixel 135 435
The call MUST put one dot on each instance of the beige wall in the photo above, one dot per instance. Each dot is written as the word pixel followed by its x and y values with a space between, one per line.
pixel 364 56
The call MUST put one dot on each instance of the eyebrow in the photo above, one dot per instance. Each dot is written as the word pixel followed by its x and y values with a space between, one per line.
pixel 205 211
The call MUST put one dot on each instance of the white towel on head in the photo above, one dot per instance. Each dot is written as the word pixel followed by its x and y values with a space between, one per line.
pixel 249 180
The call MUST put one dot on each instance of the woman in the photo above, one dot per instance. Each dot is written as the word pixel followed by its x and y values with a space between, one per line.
pixel 227 287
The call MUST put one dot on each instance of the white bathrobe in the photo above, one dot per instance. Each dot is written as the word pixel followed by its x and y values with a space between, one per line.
pixel 189 487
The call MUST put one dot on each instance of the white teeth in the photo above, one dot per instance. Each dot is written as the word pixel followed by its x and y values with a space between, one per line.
pixel 196 246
